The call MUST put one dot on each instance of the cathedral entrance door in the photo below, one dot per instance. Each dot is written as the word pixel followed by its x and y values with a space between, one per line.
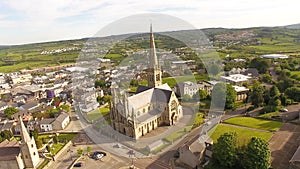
pixel 173 118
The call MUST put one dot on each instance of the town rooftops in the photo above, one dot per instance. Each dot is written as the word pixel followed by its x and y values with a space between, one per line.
pixel 29 106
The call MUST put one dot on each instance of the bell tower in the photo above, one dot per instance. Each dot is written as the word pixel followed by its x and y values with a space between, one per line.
pixel 154 74
pixel 28 148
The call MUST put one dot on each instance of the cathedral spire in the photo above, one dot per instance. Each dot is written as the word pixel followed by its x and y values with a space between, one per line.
pixel 153 57
pixel 24 134
pixel 154 74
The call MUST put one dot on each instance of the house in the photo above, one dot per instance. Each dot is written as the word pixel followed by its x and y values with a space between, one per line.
pixel 204 85
pixel 236 79
pixel 190 156
pixel 33 124
pixel 90 106
pixel 241 92
pixel 23 114
pixel 3 106
pixel 186 88
pixel 29 106
pixel 8 125
pixel 61 122
pixel 46 124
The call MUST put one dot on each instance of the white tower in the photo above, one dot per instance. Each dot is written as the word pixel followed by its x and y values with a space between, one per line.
pixel 28 148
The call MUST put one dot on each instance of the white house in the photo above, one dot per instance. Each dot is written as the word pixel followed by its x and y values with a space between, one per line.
pixel 46 124
pixel 61 122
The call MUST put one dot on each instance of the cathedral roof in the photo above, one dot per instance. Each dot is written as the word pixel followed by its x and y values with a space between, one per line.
pixel 146 96
pixel 148 116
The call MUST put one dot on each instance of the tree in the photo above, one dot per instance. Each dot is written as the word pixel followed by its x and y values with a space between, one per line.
pixel 267 78
pixel 100 83
pixel 257 94
pixel 257 154
pixel 274 92
pixel 134 82
pixel 293 93
pixel 260 64
pixel 79 152
pixel 38 143
pixel 10 111
pixel 55 139
pixel 225 150
pixel 34 133
pixel 6 135
pixel 203 94
pixel 230 96
pixel 88 149
pixel 214 69
pixel 186 97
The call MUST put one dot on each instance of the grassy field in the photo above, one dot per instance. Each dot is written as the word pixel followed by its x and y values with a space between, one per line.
pixel 176 135
pixel 255 123
pixel 244 135
pixel 172 81
pixel 97 114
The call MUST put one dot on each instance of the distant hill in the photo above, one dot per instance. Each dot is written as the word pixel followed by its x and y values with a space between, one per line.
pixel 293 26
pixel 238 43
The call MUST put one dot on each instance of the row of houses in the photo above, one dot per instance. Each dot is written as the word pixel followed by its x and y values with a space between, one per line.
pixel 42 125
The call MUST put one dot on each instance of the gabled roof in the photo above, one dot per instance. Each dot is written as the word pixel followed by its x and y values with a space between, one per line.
pixel 61 117
pixel 47 121
pixel 159 94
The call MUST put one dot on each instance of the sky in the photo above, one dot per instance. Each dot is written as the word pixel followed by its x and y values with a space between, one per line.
pixel 31 21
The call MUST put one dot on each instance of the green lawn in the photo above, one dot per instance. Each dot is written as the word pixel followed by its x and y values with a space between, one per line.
pixel 255 123
pixel 244 135
pixel 97 114
pixel 176 135
pixel 172 81
pixel 269 115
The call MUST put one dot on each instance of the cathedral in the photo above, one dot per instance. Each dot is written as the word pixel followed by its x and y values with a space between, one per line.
pixel 19 155
pixel 150 107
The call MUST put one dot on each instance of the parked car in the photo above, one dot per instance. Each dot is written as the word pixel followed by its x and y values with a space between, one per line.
pixel 284 110
pixel 98 155
pixel 176 154
pixel 79 164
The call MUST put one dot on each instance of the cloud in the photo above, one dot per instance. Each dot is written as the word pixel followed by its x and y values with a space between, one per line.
pixel 61 19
